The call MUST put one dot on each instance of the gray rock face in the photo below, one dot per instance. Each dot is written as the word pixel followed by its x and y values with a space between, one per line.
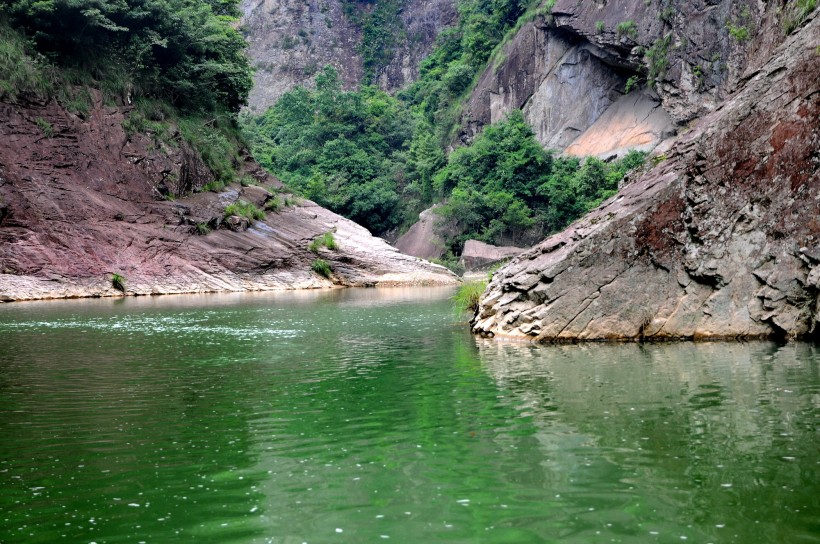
pixel 478 255
pixel 421 240
pixel 565 85
pixel 290 40
pixel 720 239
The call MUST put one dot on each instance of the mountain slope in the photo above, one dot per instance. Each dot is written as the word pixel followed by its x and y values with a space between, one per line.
pixel 82 199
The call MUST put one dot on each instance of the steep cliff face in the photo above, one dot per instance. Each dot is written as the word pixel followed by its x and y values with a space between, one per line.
pixel 719 239
pixel 290 40
pixel 81 200
pixel 569 70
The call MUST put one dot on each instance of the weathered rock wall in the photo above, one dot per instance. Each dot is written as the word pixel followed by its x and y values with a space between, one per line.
pixel 290 40
pixel 568 70
pixel 720 239
pixel 86 201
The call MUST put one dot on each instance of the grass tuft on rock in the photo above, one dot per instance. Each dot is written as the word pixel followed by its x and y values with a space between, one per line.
pixel 321 267
pixel 326 240
pixel 244 209
pixel 465 301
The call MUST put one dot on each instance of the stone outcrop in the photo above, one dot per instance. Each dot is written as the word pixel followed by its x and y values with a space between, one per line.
pixel 568 70
pixel 421 239
pixel 290 40
pixel 478 255
pixel 719 239
pixel 85 201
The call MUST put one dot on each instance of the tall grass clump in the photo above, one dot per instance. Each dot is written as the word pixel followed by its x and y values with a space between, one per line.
pixel 465 301
pixel 244 209
pixel 321 267
pixel 326 240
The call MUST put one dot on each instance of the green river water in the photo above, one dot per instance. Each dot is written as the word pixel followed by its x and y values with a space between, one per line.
pixel 355 416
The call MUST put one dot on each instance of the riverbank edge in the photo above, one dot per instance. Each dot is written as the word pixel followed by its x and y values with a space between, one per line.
pixel 15 288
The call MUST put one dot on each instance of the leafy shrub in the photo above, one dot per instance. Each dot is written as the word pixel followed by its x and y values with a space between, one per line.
pixel 321 267
pixel 202 229
pixel 657 59
pixel 599 27
pixel 244 209
pixel 740 33
pixel 118 282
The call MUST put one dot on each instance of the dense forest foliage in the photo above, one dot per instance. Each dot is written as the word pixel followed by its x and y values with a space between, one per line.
pixel 380 160
pixel 177 61
pixel 344 150
pixel 370 157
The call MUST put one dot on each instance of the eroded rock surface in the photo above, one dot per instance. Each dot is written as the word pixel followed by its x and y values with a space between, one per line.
pixel 422 239
pixel 720 239
pixel 290 40
pixel 87 201
pixel 478 255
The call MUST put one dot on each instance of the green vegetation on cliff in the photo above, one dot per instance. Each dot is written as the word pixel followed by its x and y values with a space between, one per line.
pixel 175 63
pixel 344 150
pixel 380 160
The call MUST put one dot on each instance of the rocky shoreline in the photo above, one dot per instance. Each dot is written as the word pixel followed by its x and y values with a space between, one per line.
pixel 86 201
pixel 719 240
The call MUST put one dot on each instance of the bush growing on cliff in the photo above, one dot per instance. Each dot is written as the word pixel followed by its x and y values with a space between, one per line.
pixel 186 51
pixel 118 282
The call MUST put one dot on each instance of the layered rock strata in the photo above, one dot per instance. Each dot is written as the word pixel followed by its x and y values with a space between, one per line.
pixel 719 239
pixel 80 200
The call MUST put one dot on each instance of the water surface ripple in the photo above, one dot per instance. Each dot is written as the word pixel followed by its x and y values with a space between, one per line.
pixel 370 415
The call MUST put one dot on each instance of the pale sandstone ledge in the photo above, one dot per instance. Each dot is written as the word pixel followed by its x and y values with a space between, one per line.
pixel 720 239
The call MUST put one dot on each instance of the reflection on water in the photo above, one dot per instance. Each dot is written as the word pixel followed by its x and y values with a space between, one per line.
pixel 369 415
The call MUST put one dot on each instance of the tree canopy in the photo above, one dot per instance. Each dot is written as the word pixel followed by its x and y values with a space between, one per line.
pixel 187 51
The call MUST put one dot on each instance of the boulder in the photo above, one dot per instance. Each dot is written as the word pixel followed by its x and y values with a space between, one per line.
pixel 421 240
pixel 479 255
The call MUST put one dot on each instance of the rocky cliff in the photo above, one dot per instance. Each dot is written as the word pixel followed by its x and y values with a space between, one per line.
pixel 719 239
pixel 290 40
pixel 569 70
pixel 81 200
